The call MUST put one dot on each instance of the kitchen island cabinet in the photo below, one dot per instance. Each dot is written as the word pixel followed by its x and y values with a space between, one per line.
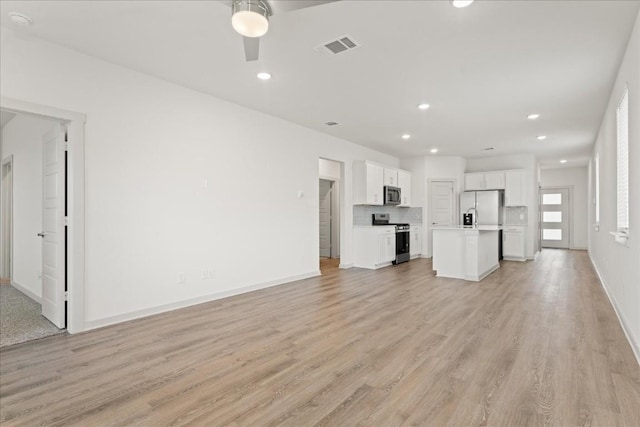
pixel 469 253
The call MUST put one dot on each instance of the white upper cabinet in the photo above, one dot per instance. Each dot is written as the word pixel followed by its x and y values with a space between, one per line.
pixel 368 183
pixel 474 181
pixel 494 180
pixel 391 177
pixel 404 182
pixel 515 193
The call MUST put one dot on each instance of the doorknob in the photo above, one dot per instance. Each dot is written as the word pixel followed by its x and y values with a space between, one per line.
pixel 41 234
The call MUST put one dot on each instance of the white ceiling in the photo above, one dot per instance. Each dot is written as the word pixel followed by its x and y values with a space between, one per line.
pixel 482 69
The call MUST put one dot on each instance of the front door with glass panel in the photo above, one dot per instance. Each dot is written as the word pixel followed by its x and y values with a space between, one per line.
pixel 555 218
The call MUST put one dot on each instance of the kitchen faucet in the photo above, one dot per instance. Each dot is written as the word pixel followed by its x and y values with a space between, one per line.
pixel 475 218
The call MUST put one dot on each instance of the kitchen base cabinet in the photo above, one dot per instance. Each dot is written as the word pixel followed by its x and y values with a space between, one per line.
pixel 513 247
pixel 374 247
pixel 415 245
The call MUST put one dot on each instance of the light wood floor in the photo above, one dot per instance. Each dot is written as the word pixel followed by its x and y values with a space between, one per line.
pixel 535 343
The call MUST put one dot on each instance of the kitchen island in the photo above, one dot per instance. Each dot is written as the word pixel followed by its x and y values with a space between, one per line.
pixel 469 253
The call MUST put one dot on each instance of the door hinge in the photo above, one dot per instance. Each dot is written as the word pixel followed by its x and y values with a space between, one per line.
pixel 66 295
pixel 66 146
pixel 66 221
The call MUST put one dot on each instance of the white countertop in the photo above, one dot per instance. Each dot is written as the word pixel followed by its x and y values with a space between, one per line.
pixel 462 227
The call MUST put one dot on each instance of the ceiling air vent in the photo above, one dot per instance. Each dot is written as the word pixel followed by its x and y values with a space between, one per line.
pixel 331 123
pixel 341 44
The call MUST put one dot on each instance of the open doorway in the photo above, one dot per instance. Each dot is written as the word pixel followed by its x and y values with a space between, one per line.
pixel 330 173
pixel 33 239
pixel 69 265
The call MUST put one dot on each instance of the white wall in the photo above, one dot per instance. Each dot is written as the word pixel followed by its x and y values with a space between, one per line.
pixel 149 146
pixel 328 169
pixel 529 163
pixel 577 180
pixel 618 265
pixel 22 138
pixel 422 170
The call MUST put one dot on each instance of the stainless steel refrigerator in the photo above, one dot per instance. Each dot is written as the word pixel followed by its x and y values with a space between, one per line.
pixel 488 204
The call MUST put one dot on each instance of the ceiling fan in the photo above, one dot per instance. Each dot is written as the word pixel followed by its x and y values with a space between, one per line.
pixel 250 18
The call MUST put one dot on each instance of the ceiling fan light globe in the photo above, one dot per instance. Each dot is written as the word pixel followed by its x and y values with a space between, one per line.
pixel 250 23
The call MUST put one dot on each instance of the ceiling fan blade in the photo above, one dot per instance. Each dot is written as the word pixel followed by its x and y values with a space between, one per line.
pixel 282 6
pixel 251 48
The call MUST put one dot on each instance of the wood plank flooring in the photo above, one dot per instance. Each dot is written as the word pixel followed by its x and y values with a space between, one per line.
pixel 535 343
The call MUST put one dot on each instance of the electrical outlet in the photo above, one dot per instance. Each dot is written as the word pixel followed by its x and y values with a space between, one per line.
pixel 211 273
pixel 181 278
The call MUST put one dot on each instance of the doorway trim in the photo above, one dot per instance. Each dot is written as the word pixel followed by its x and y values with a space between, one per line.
pixel 339 185
pixel 76 279
pixel 6 264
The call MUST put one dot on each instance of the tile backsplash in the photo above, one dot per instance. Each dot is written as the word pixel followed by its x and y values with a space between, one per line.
pixel 362 214
pixel 513 214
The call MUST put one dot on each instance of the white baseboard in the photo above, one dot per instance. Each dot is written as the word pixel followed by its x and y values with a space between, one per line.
pixel 94 324
pixel 578 248
pixel 635 344
pixel 26 291
pixel 345 266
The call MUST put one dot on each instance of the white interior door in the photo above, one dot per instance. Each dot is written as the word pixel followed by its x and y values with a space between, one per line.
pixel 53 227
pixel 325 218
pixel 442 203
pixel 555 218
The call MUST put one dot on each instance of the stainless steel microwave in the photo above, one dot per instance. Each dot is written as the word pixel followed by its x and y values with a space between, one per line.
pixel 391 195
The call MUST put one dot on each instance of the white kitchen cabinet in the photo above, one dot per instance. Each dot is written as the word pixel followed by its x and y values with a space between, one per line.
pixel 368 183
pixel 493 180
pixel 513 243
pixel 415 243
pixel 404 182
pixel 391 177
pixel 386 248
pixel 473 181
pixel 515 193
pixel 374 246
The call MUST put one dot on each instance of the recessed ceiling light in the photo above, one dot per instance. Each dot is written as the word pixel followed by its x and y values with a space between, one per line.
pixel 406 136
pixel 461 3
pixel 20 19
pixel 423 106
pixel 264 76
pixel 433 150
pixel 563 161
pixel 542 137
pixel 533 116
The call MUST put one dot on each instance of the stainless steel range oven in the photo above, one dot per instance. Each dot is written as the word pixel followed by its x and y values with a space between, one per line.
pixel 403 237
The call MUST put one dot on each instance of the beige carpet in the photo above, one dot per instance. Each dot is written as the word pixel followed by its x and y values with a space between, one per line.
pixel 21 318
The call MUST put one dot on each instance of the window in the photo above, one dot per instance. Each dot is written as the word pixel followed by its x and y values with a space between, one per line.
pixel 552 199
pixel 622 182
